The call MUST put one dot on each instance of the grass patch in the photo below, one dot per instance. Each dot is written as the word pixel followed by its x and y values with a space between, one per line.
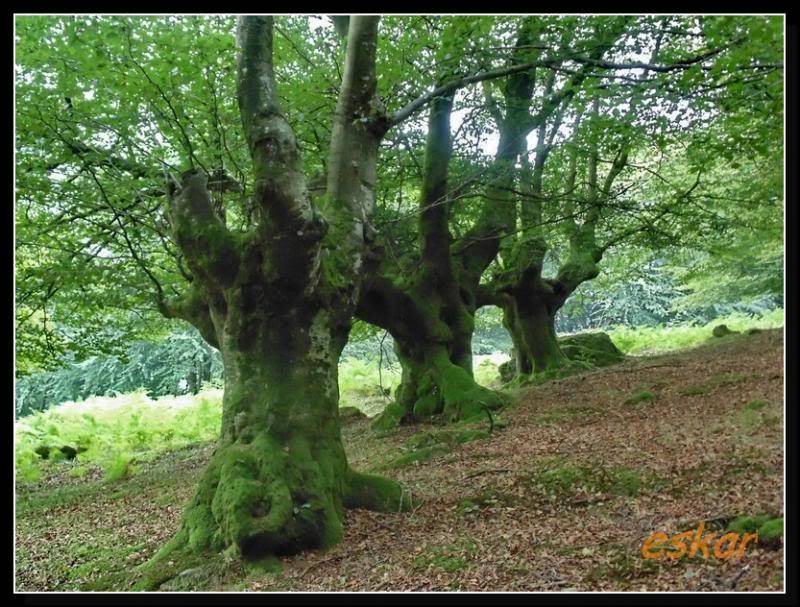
pixel 426 445
pixel 416 456
pixel 486 499
pixel 749 420
pixel 712 383
pixel 640 397
pixel 770 529
pixel 365 385
pixel 755 405
pixel 450 557
pixel 748 524
pixel 113 432
pixel 661 339
pixel 560 478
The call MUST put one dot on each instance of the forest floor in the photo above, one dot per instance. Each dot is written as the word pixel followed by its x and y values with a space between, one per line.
pixel 559 497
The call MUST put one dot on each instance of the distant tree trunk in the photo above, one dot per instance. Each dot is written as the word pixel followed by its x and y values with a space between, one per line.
pixel 532 301
pixel 533 334
pixel 429 315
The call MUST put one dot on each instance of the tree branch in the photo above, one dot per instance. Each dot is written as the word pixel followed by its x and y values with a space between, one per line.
pixel 281 194
pixel 208 246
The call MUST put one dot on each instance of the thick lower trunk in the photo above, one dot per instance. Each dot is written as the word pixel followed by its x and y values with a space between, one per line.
pixel 433 341
pixel 437 380
pixel 531 322
pixel 279 478
pixel 520 358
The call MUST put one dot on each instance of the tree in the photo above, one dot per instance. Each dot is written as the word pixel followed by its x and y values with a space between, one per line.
pixel 246 206
pixel 276 298
pixel 531 301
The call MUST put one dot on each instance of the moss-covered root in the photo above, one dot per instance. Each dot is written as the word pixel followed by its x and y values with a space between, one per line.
pixel 173 559
pixel 376 493
pixel 463 397
pixel 268 496
pixel 390 417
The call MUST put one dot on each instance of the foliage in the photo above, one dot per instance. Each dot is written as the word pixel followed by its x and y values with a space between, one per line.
pixel 178 364
pixel 102 110
pixel 112 432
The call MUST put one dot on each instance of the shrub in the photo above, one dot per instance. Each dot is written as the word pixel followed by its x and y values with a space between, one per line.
pixel 118 467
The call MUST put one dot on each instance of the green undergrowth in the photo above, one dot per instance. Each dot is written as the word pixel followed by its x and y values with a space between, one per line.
pixel 487 498
pixel 769 528
pixel 424 446
pixel 367 384
pixel 661 339
pixel 113 432
pixel 558 477
pixel 449 558
pixel 642 396
pixel 712 383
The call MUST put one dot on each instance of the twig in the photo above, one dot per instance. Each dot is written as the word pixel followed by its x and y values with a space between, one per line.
pixel 736 578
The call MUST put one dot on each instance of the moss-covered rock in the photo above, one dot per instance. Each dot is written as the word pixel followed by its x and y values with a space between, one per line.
pixel 722 331
pixel 351 414
pixel 507 370
pixel 376 493
pixel 595 348
pixel 62 452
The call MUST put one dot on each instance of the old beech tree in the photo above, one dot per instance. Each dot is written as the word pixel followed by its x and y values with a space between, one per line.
pixel 211 206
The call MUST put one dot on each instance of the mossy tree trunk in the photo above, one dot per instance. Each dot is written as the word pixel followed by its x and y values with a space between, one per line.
pixel 436 354
pixel 279 478
pixel 535 342
pixel 530 300
pixel 429 315
pixel 277 301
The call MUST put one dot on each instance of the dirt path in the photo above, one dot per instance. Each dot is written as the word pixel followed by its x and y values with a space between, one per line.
pixel 560 497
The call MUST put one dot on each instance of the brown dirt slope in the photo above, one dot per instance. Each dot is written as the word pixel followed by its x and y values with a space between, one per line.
pixel 559 497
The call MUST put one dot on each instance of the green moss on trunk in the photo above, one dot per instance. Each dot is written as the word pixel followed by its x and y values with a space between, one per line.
pixel 432 384
pixel 279 479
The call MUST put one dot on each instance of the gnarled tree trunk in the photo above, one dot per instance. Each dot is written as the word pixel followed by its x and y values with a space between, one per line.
pixel 430 316
pixel 279 479
pixel 280 310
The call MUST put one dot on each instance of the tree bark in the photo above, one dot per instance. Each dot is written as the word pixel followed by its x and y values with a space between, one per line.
pixel 279 479
pixel 280 312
